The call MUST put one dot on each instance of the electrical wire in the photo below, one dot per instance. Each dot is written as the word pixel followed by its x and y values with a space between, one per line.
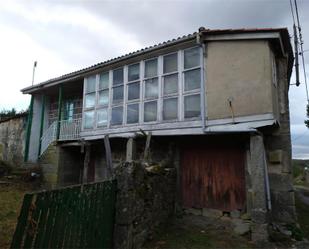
pixel 301 48
pixel 291 5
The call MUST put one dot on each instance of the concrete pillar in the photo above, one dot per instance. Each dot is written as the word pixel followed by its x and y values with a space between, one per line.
pixel 35 127
pixel 258 192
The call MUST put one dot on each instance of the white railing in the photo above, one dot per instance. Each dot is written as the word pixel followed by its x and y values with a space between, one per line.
pixel 70 129
pixel 48 136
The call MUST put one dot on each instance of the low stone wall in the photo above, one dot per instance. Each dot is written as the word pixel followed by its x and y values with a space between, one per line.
pixel 145 199
pixel 12 139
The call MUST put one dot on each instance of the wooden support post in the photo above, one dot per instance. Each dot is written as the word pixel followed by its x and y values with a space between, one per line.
pixel 86 163
pixel 147 146
pixel 108 153
pixel 130 155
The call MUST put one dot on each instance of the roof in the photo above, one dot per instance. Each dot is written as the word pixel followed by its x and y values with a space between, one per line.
pixel 202 31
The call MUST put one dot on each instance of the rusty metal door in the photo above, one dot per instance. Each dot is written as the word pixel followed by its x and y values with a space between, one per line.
pixel 213 177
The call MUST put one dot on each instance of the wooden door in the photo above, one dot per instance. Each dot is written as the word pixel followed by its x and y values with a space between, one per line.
pixel 213 177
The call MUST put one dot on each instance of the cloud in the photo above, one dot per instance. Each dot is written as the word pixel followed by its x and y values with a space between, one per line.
pixel 64 36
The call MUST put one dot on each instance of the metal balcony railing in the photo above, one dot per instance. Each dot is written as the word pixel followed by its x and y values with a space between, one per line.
pixel 69 130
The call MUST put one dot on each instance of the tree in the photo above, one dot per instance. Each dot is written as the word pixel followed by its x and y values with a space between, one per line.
pixel 5 114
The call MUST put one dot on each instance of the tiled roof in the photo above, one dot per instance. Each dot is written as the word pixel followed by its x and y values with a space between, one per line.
pixel 202 30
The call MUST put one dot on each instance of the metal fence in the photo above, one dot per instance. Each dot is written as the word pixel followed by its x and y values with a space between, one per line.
pixel 80 216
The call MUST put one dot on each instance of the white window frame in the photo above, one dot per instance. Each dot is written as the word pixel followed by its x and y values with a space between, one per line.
pixel 133 101
pixel 180 94
pixel 190 92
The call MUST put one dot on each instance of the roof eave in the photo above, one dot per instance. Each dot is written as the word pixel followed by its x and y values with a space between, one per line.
pixel 81 73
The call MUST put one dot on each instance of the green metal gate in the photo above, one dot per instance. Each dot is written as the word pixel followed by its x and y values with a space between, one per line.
pixel 79 216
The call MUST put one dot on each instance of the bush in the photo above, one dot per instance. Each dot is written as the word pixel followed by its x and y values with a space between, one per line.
pixel 5 168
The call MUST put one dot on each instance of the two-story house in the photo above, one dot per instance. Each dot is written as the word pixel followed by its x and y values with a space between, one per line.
pixel 215 103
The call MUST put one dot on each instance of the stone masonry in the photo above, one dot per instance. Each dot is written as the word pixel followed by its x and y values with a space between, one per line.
pixel 12 140
pixel 145 199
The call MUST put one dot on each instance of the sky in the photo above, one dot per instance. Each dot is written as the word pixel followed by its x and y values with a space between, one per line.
pixel 64 36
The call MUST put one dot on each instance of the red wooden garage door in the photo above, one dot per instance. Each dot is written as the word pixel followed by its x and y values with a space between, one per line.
pixel 213 178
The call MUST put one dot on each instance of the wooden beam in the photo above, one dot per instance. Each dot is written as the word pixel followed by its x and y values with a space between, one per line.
pixel 108 154
pixel 130 155
pixel 86 164
pixel 147 146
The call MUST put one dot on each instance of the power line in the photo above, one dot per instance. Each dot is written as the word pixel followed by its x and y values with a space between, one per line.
pixel 291 5
pixel 301 48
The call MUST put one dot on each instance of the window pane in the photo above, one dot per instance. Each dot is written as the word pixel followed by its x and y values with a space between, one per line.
pixel 118 94
pixel 117 115
pixel 170 63
pixel 192 57
pixel 150 111
pixel 170 84
pixel 151 68
pixel 90 86
pixel 133 72
pixel 132 113
pixel 192 106
pixel 192 79
pixel 68 110
pixel 103 97
pixel 88 119
pixel 104 80
pixel 151 88
pixel 102 117
pixel 89 100
pixel 133 91
pixel 170 108
pixel 118 76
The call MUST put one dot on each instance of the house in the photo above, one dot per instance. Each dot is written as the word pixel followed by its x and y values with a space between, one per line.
pixel 214 103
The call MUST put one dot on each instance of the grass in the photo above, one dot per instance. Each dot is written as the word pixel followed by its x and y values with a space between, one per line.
pixel 188 236
pixel 11 197
pixel 302 211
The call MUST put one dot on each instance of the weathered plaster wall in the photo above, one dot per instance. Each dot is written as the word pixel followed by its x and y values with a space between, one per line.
pixel 239 71
pixel 12 140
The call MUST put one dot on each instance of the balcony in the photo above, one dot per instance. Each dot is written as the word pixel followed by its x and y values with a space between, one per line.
pixel 69 130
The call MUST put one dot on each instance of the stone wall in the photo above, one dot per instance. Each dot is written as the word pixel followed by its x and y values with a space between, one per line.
pixel 145 199
pixel 61 166
pixel 12 140
pixel 278 147
pixel 49 163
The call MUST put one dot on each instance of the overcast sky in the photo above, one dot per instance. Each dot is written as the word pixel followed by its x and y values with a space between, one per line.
pixel 64 36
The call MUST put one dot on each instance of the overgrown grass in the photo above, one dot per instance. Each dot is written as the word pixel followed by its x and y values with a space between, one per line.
pixel 194 237
pixel 303 216
pixel 11 198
